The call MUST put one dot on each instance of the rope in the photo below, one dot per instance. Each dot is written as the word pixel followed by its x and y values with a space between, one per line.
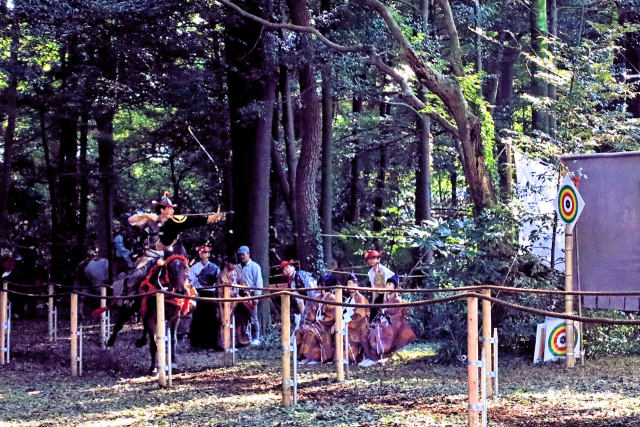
pixel 25 294
pixel 600 320
pixel 26 285
pixel 402 291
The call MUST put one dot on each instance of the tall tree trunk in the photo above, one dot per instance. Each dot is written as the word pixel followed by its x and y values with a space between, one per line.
pixel 51 176
pixel 259 192
pixel 9 134
pixel 356 167
pixel 65 244
pixel 381 185
pixel 244 79
pixel 104 136
pixel 477 37
pixel 423 172
pixel 423 145
pixel 326 202
pixel 327 166
pixel 539 87
pixel 423 10
pixel 308 240
pixel 251 81
pixel 553 33
pixel 503 118
pixel 453 177
pixel 381 180
pixel 291 149
pixel 278 164
pixel 83 172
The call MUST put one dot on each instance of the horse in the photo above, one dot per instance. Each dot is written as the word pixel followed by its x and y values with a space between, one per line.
pixel 169 276
pixel 92 273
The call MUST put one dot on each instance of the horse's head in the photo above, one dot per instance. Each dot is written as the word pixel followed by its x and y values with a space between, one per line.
pixel 174 274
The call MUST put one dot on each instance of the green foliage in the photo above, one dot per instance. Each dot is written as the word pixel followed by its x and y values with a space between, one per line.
pixel 479 252
pixel 592 95
pixel 472 90
pixel 611 340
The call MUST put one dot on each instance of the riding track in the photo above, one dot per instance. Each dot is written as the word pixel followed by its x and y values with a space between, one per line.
pixel 35 389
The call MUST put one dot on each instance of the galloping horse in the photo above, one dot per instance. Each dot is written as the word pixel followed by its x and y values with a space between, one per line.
pixel 170 276
pixel 92 273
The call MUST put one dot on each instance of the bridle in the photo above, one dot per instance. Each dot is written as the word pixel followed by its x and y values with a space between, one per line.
pixel 162 282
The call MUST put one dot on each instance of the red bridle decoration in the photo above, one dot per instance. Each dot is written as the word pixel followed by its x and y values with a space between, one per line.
pixel 147 286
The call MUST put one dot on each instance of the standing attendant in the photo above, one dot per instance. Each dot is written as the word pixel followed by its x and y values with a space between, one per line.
pixel 378 276
pixel 204 272
pixel 252 275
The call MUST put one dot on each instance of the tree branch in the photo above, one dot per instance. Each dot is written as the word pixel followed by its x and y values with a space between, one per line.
pixel 454 40
pixel 298 29
pixel 432 77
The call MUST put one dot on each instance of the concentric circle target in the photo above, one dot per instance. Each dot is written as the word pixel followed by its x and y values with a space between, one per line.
pixel 568 203
pixel 557 343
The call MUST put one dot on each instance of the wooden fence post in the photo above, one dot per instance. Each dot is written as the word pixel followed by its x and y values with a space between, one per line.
pixel 160 341
pixel 50 314
pixel 4 323
pixel 74 334
pixel 286 351
pixel 103 318
pixel 339 338
pixel 486 335
pixel 472 361
pixel 226 320
pixel 568 284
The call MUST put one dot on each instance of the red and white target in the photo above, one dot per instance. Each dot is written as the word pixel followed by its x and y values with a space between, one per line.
pixel 568 202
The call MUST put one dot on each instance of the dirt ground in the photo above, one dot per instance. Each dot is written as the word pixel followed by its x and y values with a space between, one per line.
pixel 36 388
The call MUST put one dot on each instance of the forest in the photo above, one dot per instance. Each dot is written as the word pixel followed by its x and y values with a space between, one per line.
pixel 327 128
pixel 323 129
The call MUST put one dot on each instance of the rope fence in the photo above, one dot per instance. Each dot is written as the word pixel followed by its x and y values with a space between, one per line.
pixel 466 292
pixel 469 293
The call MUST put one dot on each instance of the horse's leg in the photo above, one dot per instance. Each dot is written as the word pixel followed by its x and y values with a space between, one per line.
pixel 153 348
pixel 173 330
pixel 142 341
pixel 124 314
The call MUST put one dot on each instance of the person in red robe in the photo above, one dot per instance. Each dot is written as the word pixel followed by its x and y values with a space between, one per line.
pixel 356 319
pixel 389 331
pixel 317 336
pixel 242 314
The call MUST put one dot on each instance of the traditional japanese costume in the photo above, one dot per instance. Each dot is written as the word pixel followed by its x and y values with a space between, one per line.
pixel 389 332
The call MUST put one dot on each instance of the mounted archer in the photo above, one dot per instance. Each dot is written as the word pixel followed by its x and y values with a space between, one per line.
pixel 163 229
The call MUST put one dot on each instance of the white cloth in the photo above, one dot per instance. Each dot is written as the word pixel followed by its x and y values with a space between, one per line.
pixel 372 274
pixel 537 188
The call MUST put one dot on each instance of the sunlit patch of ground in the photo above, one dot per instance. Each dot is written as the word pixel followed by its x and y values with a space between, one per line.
pixel 410 390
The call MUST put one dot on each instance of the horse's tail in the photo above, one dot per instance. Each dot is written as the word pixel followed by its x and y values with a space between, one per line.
pixel 98 312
